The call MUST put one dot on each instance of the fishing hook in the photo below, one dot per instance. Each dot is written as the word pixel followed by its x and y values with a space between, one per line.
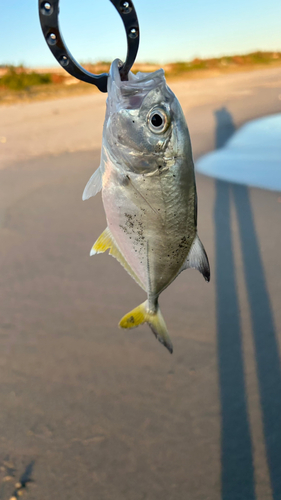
pixel 49 14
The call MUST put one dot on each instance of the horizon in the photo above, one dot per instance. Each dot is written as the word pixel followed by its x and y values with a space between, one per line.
pixel 96 34
pixel 145 62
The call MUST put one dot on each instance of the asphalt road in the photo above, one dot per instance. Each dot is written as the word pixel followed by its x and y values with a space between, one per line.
pixel 92 412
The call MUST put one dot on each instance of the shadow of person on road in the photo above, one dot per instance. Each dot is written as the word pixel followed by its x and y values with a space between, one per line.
pixel 236 444
pixel 264 336
pixel 225 127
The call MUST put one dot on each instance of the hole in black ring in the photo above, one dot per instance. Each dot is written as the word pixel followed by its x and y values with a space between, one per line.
pixel 63 60
pixel 125 7
pixel 133 33
pixel 52 39
pixel 46 8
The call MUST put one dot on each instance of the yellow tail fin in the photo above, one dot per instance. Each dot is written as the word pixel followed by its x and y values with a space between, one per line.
pixel 141 314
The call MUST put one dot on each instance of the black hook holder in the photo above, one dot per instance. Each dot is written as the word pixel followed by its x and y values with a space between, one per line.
pixel 49 19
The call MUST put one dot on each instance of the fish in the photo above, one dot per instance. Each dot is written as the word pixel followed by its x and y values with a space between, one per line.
pixel 147 179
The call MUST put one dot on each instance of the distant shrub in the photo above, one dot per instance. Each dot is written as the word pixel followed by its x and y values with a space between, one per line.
pixel 19 79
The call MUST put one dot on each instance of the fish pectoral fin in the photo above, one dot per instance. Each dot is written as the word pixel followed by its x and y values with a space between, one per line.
pixel 197 259
pixel 142 314
pixel 93 186
pixel 106 242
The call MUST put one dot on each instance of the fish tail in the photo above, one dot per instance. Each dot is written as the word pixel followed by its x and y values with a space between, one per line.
pixel 142 314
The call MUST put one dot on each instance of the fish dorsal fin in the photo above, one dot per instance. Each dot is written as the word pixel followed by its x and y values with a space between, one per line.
pixel 197 259
pixel 106 242
pixel 93 186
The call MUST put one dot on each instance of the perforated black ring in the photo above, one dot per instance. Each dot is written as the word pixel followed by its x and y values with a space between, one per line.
pixel 49 19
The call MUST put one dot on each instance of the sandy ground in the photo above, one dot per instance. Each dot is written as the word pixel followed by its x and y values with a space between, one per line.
pixel 54 127
pixel 96 412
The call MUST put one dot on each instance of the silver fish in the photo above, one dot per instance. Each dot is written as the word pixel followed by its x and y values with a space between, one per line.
pixel 148 189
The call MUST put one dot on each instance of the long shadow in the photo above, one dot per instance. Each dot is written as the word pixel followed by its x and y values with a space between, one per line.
pixel 237 479
pixel 264 334
pixel 236 454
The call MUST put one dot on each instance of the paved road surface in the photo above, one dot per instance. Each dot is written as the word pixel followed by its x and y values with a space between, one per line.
pixel 106 414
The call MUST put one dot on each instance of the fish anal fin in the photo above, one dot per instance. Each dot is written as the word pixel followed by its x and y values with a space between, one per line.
pixel 142 314
pixel 197 259
pixel 93 186
pixel 106 242
pixel 103 243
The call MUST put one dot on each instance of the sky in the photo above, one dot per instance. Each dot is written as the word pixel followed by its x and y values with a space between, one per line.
pixel 170 30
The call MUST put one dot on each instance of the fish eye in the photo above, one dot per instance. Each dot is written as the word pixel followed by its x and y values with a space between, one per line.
pixel 158 121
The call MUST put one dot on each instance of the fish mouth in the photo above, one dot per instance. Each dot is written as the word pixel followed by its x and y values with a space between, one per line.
pixel 130 94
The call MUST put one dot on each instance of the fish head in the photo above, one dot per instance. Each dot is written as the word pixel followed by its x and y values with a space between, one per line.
pixel 144 127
